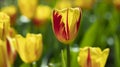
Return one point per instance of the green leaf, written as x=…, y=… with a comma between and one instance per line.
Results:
x=25, y=65
x=90, y=36
x=117, y=53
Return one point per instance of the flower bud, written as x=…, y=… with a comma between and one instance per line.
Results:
x=66, y=24
x=29, y=48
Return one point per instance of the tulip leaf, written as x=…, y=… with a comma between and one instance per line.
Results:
x=25, y=65
x=117, y=53
x=90, y=36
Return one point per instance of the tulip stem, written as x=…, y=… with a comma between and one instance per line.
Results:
x=34, y=64
x=68, y=56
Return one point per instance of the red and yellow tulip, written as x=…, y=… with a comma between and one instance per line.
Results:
x=66, y=23
x=29, y=48
x=92, y=57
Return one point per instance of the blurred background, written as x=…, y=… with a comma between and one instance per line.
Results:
x=99, y=27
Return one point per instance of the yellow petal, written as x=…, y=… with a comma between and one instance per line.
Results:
x=3, y=55
x=39, y=12
x=29, y=48
x=104, y=57
x=27, y=7
x=4, y=25
x=10, y=49
x=20, y=46
x=82, y=56
x=10, y=10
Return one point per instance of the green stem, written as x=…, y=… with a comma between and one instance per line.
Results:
x=63, y=59
x=68, y=55
x=34, y=64
x=117, y=56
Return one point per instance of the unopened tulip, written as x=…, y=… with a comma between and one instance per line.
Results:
x=27, y=7
x=29, y=48
x=66, y=24
x=3, y=55
x=12, y=12
x=92, y=57
x=4, y=25
x=42, y=15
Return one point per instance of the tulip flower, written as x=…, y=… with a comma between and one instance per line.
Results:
x=11, y=52
x=92, y=57
x=42, y=14
x=117, y=4
x=63, y=4
x=27, y=7
x=3, y=55
x=12, y=12
x=66, y=23
x=29, y=48
x=4, y=25
x=87, y=4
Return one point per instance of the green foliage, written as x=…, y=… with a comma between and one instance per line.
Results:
x=90, y=36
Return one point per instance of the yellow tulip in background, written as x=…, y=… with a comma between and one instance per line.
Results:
x=4, y=25
x=66, y=23
x=61, y=4
x=3, y=55
x=12, y=12
x=117, y=4
x=87, y=4
x=29, y=48
x=42, y=14
x=27, y=7
x=92, y=57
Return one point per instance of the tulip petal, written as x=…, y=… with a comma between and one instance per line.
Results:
x=4, y=25
x=104, y=58
x=3, y=55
